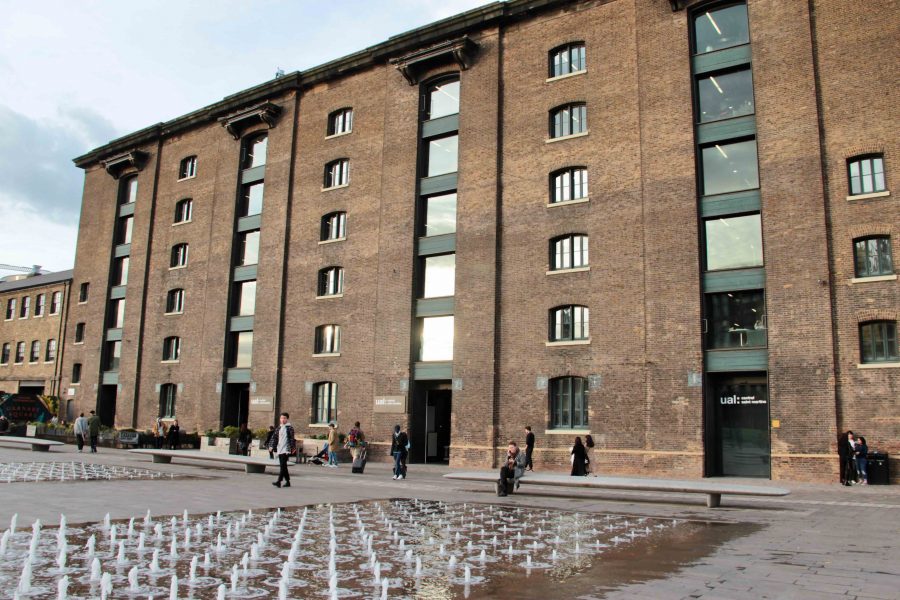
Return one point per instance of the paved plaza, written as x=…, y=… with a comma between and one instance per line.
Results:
x=821, y=542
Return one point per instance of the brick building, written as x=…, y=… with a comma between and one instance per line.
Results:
x=663, y=223
x=32, y=331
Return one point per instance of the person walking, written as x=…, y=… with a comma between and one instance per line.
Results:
x=332, y=445
x=284, y=445
x=94, y=430
x=589, y=454
x=81, y=431
x=398, y=450
x=269, y=439
x=579, y=459
x=529, y=448
x=861, y=450
x=172, y=435
x=244, y=440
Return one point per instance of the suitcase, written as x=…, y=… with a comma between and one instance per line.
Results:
x=359, y=464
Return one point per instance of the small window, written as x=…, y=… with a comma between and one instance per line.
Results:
x=255, y=149
x=171, y=348
x=872, y=256
x=328, y=339
x=337, y=173
x=866, y=174
x=340, y=121
x=84, y=291
x=443, y=156
x=128, y=189
x=568, y=403
x=79, y=333
x=24, y=307
x=116, y=316
x=730, y=167
x=51, y=350
x=725, y=95
x=20, y=353
x=175, y=301
x=334, y=227
x=241, y=352
x=40, y=302
x=569, y=252
x=120, y=271
x=124, y=229
x=442, y=99
x=324, y=402
x=167, y=396
x=10, y=309
x=331, y=281
x=179, y=256
x=183, y=210
x=438, y=276
x=878, y=342
x=570, y=119
x=569, y=184
x=35, y=355
x=251, y=200
x=55, y=303
x=567, y=59
x=440, y=214
x=188, y=168
x=76, y=373
x=4, y=354
x=244, y=302
x=437, y=339
x=569, y=323
x=248, y=248
x=733, y=242
x=719, y=28
x=736, y=320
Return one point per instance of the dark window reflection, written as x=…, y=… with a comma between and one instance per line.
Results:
x=725, y=95
x=736, y=320
x=730, y=167
x=721, y=28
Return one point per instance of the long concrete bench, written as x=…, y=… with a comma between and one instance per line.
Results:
x=712, y=489
x=251, y=464
x=37, y=445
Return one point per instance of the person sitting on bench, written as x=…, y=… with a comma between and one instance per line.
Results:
x=513, y=468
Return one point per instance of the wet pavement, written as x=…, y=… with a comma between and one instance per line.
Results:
x=823, y=541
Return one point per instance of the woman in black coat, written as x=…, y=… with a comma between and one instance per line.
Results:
x=579, y=459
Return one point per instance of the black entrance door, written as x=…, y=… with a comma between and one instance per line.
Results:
x=106, y=407
x=437, y=425
x=739, y=436
x=236, y=404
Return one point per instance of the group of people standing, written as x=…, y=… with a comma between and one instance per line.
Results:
x=166, y=435
x=853, y=455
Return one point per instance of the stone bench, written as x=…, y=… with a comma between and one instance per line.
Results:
x=251, y=464
x=38, y=445
x=712, y=489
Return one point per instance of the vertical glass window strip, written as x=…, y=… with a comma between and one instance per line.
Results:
x=725, y=95
x=116, y=317
x=736, y=320
x=873, y=256
x=255, y=151
x=113, y=356
x=866, y=175
x=733, y=242
x=128, y=190
x=248, y=248
x=439, y=276
x=720, y=28
x=245, y=299
x=241, y=350
x=440, y=214
x=443, y=155
x=730, y=167
x=252, y=200
x=437, y=339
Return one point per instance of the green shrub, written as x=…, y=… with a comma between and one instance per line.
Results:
x=231, y=431
x=261, y=433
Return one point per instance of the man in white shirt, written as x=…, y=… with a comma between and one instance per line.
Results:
x=284, y=445
x=81, y=431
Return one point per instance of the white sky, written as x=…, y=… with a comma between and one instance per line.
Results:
x=76, y=74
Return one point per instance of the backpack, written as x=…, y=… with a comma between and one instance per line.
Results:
x=353, y=437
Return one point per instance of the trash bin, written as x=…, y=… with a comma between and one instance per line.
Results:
x=878, y=468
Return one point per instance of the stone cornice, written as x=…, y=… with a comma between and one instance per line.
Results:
x=133, y=159
x=460, y=50
x=238, y=122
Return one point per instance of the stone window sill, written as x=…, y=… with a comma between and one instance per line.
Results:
x=335, y=187
x=856, y=280
x=340, y=239
x=566, y=76
x=568, y=343
x=567, y=432
x=177, y=268
x=566, y=137
x=176, y=224
x=319, y=426
x=572, y=270
x=188, y=177
x=569, y=202
x=337, y=135
x=882, y=365
x=326, y=354
x=170, y=362
x=327, y=296
x=177, y=312
x=856, y=197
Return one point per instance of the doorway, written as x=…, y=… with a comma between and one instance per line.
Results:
x=431, y=417
x=738, y=439
x=106, y=405
x=236, y=404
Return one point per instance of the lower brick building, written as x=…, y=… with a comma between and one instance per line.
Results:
x=664, y=224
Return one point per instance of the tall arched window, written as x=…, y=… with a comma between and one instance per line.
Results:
x=567, y=59
x=569, y=252
x=167, y=396
x=334, y=227
x=569, y=323
x=331, y=281
x=337, y=173
x=324, y=408
x=568, y=119
x=568, y=184
x=328, y=339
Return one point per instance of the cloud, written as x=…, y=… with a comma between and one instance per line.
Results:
x=29, y=238
x=36, y=172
